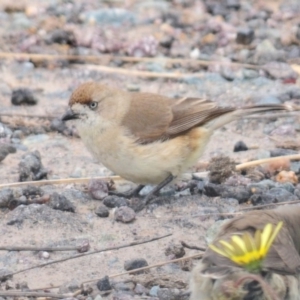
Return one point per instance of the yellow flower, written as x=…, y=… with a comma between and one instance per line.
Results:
x=249, y=251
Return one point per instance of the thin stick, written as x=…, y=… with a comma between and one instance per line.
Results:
x=267, y=205
x=129, y=72
x=94, y=58
x=32, y=248
x=13, y=114
x=266, y=160
x=34, y=294
x=273, y=115
x=58, y=181
x=90, y=253
x=193, y=247
x=134, y=271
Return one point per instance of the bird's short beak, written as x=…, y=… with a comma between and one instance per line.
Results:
x=69, y=115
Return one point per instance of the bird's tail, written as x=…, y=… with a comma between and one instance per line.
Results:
x=236, y=114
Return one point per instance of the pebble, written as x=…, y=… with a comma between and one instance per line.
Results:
x=31, y=168
x=154, y=291
x=6, y=196
x=71, y=286
x=140, y=289
x=61, y=36
x=102, y=211
x=115, y=201
x=135, y=264
x=124, y=214
x=245, y=36
x=98, y=189
x=60, y=126
x=240, y=146
x=265, y=52
x=60, y=202
x=103, y=284
x=175, y=250
x=5, y=131
x=23, y=96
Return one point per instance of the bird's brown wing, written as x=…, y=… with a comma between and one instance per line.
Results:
x=165, y=117
x=191, y=112
x=148, y=117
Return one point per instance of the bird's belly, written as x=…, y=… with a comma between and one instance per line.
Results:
x=146, y=164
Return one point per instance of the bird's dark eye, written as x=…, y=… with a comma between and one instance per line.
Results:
x=93, y=105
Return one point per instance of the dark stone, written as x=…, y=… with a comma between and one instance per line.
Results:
x=233, y=4
x=274, y=195
x=103, y=284
x=240, y=146
x=31, y=168
x=212, y=190
x=102, y=211
x=115, y=201
x=3, y=154
x=60, y=202
x=245, y=36
x=23, y=96
x=32, y=191
x=61, y=36
x=135, y=264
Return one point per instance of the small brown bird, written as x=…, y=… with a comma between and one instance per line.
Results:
x=214, y=277
x=148, y=138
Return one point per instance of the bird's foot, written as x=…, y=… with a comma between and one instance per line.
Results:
x=132, y=193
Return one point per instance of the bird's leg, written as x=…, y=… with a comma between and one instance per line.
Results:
x=130, y=193
x=158, y=188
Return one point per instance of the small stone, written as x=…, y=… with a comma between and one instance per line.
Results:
x=135, y=264
x=233, y=4
x=98, y=297
x=103, y=284
x=3, y=154
x=6, y=196
x=140, y=289
x=61, y=36
x=102, y=211
x=124, y=214
x=154, y=291
x=122, y=286
x=240, y=146
x=266, y=52
x=18, y=134
x=165, y=294
x=44, y=254
x=175, y=250
x=31, y=168
x=245, y=36
x=98, y=189
x=23, y=96
x=32, y=191
x=115, y=201
x=60, y=202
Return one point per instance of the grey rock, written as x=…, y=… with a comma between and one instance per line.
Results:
x=245, y=36
x=31, y=168
x=6, y=196
x=266, y=52
x=154, y=291
x=18, y=134
x=3, y=154
x=115, y=201
x=135, y=264
x=60, y=126
x=249, y=74
x=23, y=96
x=122, y=286
x=103, y=284
x=98, y=189
x=165, y=294
x=124, y=214
x=102, y=211
x=98, y=297
x=140, y=289
x=287, y=186
x=5, y=131
x=61, y=36
x=60, y=202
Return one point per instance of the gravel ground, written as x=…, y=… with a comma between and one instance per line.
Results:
x=233, y=52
